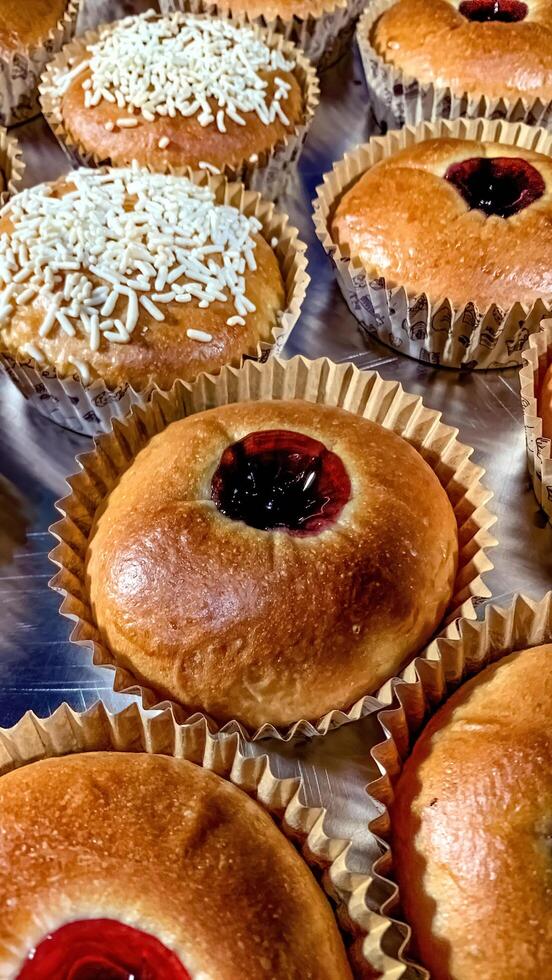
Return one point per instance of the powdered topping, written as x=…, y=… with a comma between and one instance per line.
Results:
x=119, y=242
x=182, y=64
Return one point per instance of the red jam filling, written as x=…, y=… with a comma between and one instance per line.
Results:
x=102, y=949
x=507, y=11
x=500, y=185
x=277, y=479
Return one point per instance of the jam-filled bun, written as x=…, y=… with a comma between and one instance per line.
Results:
x=119, y=865
x=270, y=561
x=471, y=827
x=458, y=219
x=496, y=48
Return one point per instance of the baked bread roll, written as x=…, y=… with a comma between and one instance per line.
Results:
x=119, y=864
x=270, y=561
x=134, y=278
x=497, y=48
x=458, y=219
x=471, y=827
x=184, y=90
x=23, y=25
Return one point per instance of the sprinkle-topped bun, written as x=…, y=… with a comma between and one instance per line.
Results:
x=23, y=25
x=179, y=91
x=457, y=219
x=134, y=278
x=471, y=827
x=496, y=48
x=119, y=864
x=270, y=561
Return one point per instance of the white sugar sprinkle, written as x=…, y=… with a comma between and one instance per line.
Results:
x=201, y=335
x=182, y=64
x=163, y=142
x=99, y=264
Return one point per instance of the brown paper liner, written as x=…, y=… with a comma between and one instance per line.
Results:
x=401, y=98
x=11, y=165
x=537, y=356
x=20, y=73
x=434, y=332
x=362, y=393
x=67, y=732
x=268, y=174
x=416, y=694
x=90, y=409
x=323, y=38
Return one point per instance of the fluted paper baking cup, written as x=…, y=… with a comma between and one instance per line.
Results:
x=20, y=71
x=90, y=408
x=266, y=172
x=435, y=332
x=363, y=393
x=67, y=732
x=324, y=36
x=401, y=98
x=416, y=694
x=12, y=167
x=537, y=356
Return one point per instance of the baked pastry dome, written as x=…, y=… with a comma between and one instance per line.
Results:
x=471, y=827
x=147, y=866
x=458, y=219
x=270, y=561
x=179, y=91
x=496, y=48
x=23, y=25
x=132, y=277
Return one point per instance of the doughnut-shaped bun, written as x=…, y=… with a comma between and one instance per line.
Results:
x=433, y=41
x=165, y=847
x=264, y=625
x=471, y=827
x=417, y=218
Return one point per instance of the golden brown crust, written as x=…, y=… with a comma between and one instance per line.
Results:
x=259, y=625
x=433, y=42
x=286, y=10
x=24, y=24
x=471, y=827
x=169, y=848
x=159, y=353
x=189, y=143
x=405, y=222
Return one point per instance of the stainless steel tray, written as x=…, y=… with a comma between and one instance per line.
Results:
x=39, y=668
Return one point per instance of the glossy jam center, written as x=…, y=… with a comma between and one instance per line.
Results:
x=102, y=949
x=506, y=11
x=280, y=479
x=501, y=185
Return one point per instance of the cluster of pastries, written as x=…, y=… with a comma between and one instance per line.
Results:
x=266, y=559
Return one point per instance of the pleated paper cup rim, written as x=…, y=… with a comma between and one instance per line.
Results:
x=250, y=173
x=537, y=356
x=102, y=401
x=319, y=36
x=11, y=165
x=363, y=393
x=20, y=70
x=411, y=100
x=467, y=336
x=417, y=693
x=69, y=732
